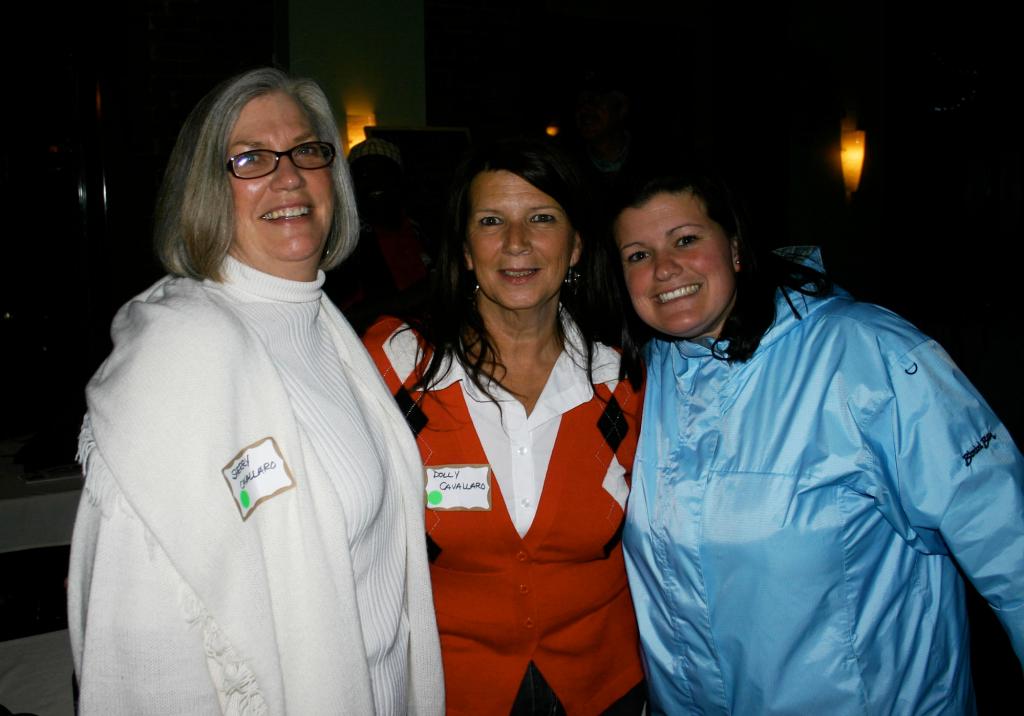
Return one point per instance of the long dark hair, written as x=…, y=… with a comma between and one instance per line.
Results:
x=454, y=328
x=764, y=272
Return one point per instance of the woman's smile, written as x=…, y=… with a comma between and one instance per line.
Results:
x=681, y=292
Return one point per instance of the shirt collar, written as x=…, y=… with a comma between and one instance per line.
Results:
x=568, y=372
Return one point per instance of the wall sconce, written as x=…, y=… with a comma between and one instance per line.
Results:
x=355, y=127
x=552, y=129
x=851, y=144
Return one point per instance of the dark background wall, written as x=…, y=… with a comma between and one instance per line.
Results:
x=95, y=95
x=94, y=98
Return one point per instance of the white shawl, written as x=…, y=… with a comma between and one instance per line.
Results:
x=187, y=387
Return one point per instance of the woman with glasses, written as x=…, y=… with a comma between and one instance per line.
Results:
x=527, y=423
x=251, y=536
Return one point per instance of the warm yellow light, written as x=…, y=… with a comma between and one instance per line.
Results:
x=355, y=127
x=551, y=130
x=851, y=144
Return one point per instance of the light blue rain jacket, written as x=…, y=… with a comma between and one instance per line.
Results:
x=792, y=518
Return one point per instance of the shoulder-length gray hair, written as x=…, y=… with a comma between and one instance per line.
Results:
x=195, y=219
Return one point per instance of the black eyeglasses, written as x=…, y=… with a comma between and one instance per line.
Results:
x=258, y=163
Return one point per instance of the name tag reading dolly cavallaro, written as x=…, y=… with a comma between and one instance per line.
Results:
x=458, y=487
x=257, y=473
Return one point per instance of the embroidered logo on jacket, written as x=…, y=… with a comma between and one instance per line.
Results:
x=982, y=444
x=257, y=473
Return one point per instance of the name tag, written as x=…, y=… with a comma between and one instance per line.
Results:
x=458, y=487
x=256, y=474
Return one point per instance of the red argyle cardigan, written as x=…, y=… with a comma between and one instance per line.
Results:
x=558, y=596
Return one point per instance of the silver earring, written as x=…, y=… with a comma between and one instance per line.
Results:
x=572, y=279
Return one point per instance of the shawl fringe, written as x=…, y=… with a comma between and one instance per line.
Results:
x=99, y=488
x=235, y=682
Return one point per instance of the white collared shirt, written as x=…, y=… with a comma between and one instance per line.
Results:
x=519, y=446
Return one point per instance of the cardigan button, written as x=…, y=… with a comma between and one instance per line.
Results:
x=522, y=556
x=524, y=589
x=528, y=623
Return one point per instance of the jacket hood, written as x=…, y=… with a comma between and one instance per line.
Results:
x=788, y=313
x=792, y=307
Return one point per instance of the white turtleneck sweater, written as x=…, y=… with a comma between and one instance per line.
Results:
x=286, y=316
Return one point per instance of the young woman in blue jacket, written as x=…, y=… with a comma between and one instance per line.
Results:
x=810, y=472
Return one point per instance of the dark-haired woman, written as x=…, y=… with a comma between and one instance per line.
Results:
x=810, y=467
x=527, y=433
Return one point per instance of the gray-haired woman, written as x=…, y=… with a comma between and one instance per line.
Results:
x=251, y=537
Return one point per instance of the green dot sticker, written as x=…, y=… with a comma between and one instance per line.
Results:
x=434, y=497
x=243, y=497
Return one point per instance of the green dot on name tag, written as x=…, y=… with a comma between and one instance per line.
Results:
x=243, y=497
x=434, y=497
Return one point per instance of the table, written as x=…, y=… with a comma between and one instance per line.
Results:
x=35, y=670
x=38, y=510
x=35, y=675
